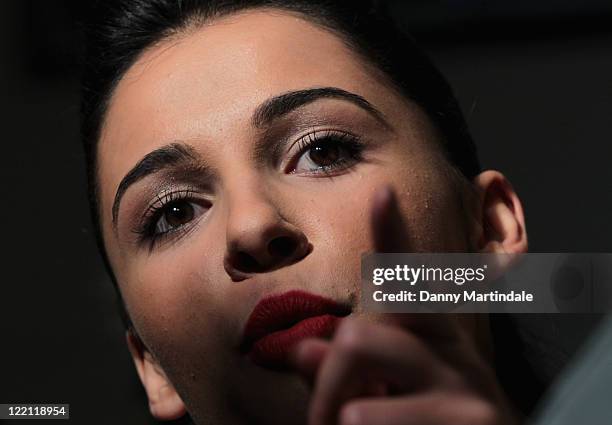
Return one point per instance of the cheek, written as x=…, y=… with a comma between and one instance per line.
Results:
x=338, y=224
x=430, y=208
x=179, y=312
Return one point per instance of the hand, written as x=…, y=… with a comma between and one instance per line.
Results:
x=410, y=369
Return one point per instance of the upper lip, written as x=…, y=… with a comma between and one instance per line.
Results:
x=281, y=311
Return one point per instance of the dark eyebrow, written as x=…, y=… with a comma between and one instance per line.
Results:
x=181, y=153
x=282, y=104
x=153, y=162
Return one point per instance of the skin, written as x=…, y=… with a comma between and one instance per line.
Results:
x=190, y=295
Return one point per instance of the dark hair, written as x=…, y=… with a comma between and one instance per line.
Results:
x=118, y=31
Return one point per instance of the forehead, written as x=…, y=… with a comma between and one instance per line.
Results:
x=205, y=83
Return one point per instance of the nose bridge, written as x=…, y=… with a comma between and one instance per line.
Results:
x=259, y=237
x=251, y=204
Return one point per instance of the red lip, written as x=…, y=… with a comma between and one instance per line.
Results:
x=279, y=322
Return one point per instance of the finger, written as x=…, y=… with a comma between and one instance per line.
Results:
x=308, y=356
x=435, y=327
x=388, y=227
x=447, y=337
x=363, y=354
x=390, y=234
x=425, y=409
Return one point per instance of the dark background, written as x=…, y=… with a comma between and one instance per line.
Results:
x=533, y=77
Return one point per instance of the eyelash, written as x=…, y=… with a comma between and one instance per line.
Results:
x=147, y=230
x=350, y=143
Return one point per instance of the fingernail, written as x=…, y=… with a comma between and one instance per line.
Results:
x=384, y=196
x=385, y=193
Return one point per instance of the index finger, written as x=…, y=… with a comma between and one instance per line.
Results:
x=389, y=230
x=391, y=235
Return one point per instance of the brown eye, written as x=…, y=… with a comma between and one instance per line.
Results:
x=179, y=213
x=175, y=214
x=324, y=155
x=324, y=151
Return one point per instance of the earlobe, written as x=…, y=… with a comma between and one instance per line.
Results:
x=502, y=227
x=164, y=402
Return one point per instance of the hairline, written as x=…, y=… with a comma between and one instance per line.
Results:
x=197, y=22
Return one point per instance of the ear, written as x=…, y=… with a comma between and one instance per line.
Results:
x=502, y=223
x=164, y=402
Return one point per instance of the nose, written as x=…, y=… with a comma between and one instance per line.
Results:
x=259, y=239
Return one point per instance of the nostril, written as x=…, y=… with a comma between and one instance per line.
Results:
x=279, y=252
x=282, y=246
x=246, y=262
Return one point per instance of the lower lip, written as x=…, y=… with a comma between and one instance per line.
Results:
x=273, y=350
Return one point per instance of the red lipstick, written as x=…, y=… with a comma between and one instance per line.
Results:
x=279, y=322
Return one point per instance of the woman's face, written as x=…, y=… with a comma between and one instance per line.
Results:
x=231, y=205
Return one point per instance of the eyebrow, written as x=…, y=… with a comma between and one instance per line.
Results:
x=155, y=161
x=278, y=106
x=180, y=153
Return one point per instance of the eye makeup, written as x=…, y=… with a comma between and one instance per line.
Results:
x=173, y=211
x=324, y=152
x=323, y=141
x=171, y=214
